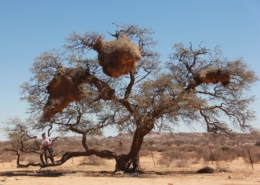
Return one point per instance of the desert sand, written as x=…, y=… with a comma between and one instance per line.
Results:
x=236, y=172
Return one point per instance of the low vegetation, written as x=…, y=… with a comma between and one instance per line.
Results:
x=176, y=149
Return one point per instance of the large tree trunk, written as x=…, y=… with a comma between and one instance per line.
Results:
x=123, y=162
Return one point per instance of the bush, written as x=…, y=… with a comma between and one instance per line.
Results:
x=182, y=163
x=202, y=152
x=144, y=152
x=8, y=157
x=223, y=153
x=188, y=148
x=225, y=148
x=164, y=161
x=167, y=157
x=255, y=155
x=257, y=143
x=32, y=158
x=93, y=160
x=205, y=170
x=168, y=143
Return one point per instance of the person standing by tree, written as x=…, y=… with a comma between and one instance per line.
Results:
x=46, y=145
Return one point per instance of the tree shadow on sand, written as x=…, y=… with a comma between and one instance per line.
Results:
x=58, y=173
x=43, y=173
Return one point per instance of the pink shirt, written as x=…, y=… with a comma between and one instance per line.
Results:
x=46, y=142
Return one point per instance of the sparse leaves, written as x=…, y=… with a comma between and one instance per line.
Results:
x=145, y=98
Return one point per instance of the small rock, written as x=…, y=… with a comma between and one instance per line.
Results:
x=170, y=183
x=119, y=173
x=9, y=179
x=18, y=178
x=229, y=177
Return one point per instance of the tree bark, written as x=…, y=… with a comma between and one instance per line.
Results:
x=123, y=162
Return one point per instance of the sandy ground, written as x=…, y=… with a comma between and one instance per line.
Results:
x=235, y=173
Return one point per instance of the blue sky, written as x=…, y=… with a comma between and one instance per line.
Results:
x=30, y=27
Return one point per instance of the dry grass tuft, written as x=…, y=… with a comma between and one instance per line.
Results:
x=117, y=57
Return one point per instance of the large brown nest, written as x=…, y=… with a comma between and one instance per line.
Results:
x=64, y=88
x=214, y=75
x=117, y=57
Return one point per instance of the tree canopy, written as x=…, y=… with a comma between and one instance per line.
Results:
x=197, y=85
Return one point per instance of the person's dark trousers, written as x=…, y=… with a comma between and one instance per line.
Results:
x=47, y=148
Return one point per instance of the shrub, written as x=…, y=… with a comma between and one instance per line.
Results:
x=179, y=142
x=255, y=155
x=167, y=157
x=168, y=143
x=93, y=160
x=188, y=148
x=203, y=153
x=205, y=170
x=221, y=167
x=144, y=152
x=225, y=148
x=257, y=143
x=32, y=158
x=8, y=157
x=181, y=163
x=164, y=161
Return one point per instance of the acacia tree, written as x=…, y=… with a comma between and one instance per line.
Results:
x=146, y=98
